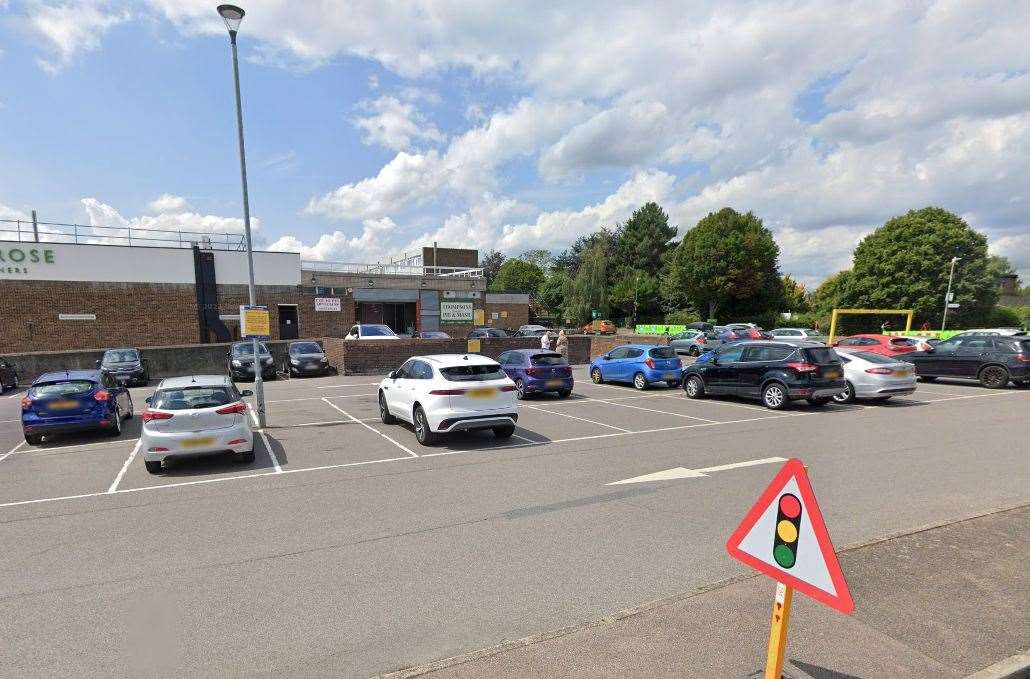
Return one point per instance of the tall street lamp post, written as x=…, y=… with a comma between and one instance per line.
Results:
x=947, y=297
x=232, y=16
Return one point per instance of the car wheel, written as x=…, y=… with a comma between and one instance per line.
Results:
x=423, y=433
x=774, y=396
x=694, y=387
x=132, y=410
x=384, y=410
x=565, y=393
x=639, y=381
x=504, y=432
x=153, y=467
x=596, y=377
x=994, y=377
x=846, y=396
x=927, y=378
x=520, y=389
x=247, y=457
x=819, y=402
x=33, y=439
x=694, y=351
x=116, y=424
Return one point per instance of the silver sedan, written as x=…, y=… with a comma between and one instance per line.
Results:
x=876, y=377
x=694, y=342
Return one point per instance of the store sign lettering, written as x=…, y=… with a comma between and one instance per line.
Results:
x=13, y=260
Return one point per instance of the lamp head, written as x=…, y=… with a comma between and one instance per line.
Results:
x=233, y=16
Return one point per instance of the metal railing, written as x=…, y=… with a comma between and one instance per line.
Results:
x=392, y=269
x=27, y=231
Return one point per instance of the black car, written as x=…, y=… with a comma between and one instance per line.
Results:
x=476, y=333
x=994, y=360
x=306, y=358
x=774, y=372
x=431, y=334
x=8, y=376
x=240, y=361
x=126, y=365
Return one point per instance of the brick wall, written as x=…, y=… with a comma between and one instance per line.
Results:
x=602, y=344
x=380, y=356
x=518, y=315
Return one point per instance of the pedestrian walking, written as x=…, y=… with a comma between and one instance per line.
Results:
x=562, y=346
x=545, y=341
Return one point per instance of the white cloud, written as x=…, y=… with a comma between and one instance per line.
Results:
x=191, y=225
x=11, y=213
x=166, y=202
x=71, y=27
x=395, y=124
x=370, y=246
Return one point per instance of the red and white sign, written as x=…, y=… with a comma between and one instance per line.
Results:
x=784, y=536
x=327, y=304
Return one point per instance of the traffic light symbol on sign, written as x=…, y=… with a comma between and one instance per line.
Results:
x=788, y=526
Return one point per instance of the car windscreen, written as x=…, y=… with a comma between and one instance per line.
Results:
x=126, y=356
x=904, y=341
x=662, y=352
x=473, y=373
x=873, y=358
x=191, y=398
x=547, y=359
x=435, y=335
x=305, y=348
x=821, y=355
x=248, y=349
x=65, y=388
x=376, y=331
x=495, y=332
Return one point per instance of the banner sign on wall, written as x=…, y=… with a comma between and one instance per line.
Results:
x=327, y=304
x=456, y=312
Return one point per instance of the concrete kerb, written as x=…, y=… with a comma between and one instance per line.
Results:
x=1013, y=667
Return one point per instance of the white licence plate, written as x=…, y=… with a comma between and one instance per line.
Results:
x=482, y=393
x=198, y=442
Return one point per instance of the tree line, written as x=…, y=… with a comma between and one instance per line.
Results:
x=726, y=269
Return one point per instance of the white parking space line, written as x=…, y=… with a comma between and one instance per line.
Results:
x=573, y=417
x=959, y=398
x=652, y=410
x=125, y=467
x=253, y=416
x=17, y=393
x=5, y=421
x=78, y=445
x=271, y=453
x=323, y=422
x=356, y=384
x=591, y=399
x=937, y=393
x=720, y=403
x=370, y=428
x=12, y=451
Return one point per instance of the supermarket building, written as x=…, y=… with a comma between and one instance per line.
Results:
x=76, y=295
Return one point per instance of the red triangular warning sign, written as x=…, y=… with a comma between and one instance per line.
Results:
x=784, y=537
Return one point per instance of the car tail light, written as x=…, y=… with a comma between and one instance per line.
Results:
x=447, y=392
x=102, y=395
x=649, y=363
x=158, y=449
x=235, y=442
x=26, y=402
x=105, y=423
x=803, y=367
x=701, y=340
x=508, y=387
x=238, y=408
x=1022, y=358
x=149, y=415
x=532, y=371
x=879, y=371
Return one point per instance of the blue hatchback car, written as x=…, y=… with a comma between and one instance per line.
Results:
x=536, y=371
x=639, y=364
x=74, y=401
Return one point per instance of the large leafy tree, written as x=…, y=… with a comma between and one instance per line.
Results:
x=905, y=264
x=643, y=239
x=491, y=263
x=727, y=266
x=795, y=296
x=571, y=258
x=542, y=258
x=589, y=289
x=552, y=291
x=516, y=275
x=636, y=294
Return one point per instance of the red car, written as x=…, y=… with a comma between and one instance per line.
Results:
x=885, y=345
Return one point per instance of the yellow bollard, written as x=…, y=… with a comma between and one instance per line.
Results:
x=778, y=631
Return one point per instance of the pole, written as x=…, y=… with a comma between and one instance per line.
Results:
x=947, y=296
x=778, y=631
x=35, y=228
x=259, y=386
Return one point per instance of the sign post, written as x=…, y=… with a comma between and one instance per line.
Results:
x=784, y=537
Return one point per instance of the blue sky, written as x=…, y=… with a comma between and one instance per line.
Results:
x=372, y=130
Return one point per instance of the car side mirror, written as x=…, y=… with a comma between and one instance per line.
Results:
x=392, y=374
x=97, y=363
x=148, y=399
x=246, y=392
x=929, y=349
x=715, y=360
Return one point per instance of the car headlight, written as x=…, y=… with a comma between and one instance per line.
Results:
x=237, y=363
x=325, y=359
x=294, y=361
x=267, y=360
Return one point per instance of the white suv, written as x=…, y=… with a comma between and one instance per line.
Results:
x=449, y=392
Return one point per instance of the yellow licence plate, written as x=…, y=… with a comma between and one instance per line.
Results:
x=482, y=393
x=554, y=383
x=902, y=373
x=63, y=405
x=197, y=443
x=831, y=374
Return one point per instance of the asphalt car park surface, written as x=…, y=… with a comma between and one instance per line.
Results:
x=346, y=549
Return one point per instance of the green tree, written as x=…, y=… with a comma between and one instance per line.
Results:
x=727, y=265
x=643, y=239
x=589, y=289
x=491, y=263
x=636, y=294
x=552, y=291
x=795, y=296
x=571, y=258
x=542, y=258
x=516, y=275
x=905, y=264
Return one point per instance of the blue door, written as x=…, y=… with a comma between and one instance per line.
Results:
x=610, y=366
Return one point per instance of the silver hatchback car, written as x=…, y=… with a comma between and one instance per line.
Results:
x=194, y=416
x=874, y=376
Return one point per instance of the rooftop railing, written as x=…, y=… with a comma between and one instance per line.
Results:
x=27, y=231
x=392, y=269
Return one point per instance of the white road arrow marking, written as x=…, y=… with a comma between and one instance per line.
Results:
x=684, y=473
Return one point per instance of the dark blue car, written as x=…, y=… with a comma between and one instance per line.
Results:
x=639, y=364
x=536, y=371
x=74, y=401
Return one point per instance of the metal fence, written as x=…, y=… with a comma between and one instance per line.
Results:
x=392, y=269
x=28, y=231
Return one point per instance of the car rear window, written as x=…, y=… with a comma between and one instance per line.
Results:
x=662, y=352
x=247, y=349
x=473, y=373
x=65, y=388
x=906, y=341
x=305, y=348
x=547, y=359
x=1023, y=346
x=873, y=358
x=820, y=355
x=191, y=398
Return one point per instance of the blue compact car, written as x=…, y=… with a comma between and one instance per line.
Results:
x=74, y=401
x=639, y=364
x=536, y=371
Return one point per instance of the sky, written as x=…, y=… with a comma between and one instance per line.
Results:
x=375, y=128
